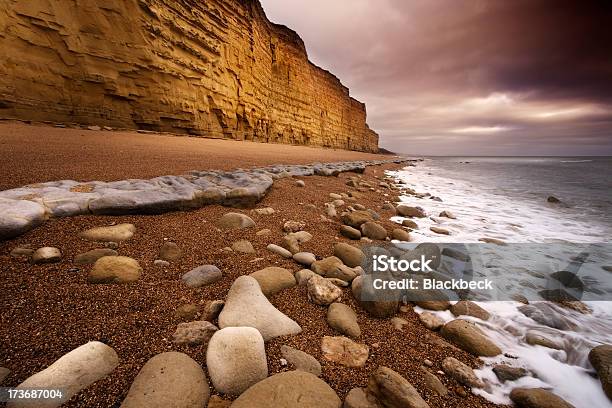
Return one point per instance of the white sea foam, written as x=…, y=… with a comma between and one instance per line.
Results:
x=484, y=213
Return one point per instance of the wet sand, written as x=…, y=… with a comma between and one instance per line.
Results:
x=38, y=153
x=48, y=310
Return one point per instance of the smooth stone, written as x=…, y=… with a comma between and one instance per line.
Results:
x=436, y=305
x=274, y=279
x=373, y=230
x=553, y=199
x=537, y=339
x=92, y=256
x=375, y=308
x=338, y=203
x=212, y=308
x=169, y=379
x=601, y=359
x=300, y=360
x=46, y=255
x=291, y=389
x=21, y=252
x=469, y=308
x=161, y=263
x=342, y=318
x=321, y=291
x=303, y=275
x=246, y=305
x=433, y=383
x=114, y=233
x=343, y=272
x=400, y=235
x=186, y=312
x=508, y=373
x=468, y=336
x=447, y=214
x=194, y=333
x=335, y=196
x=19, y=216
x=460, y=372
x=349, y=255
x=201, y=276
x=115, y=269
x=393, y=391
x=73, y=372
x=431, y=321
x=326, y=265
x=410, y=224
x=356, y=218
x=537, y=398
x=170, y=252
x=456, y=254
x=236, y=359
x=408, y=211
x=344, y=351
x=279, y=250
x=300, y=183
x=243, y=246
x=544, y=313
x=264, y=231
x=492, y=241
x=438, y=230
x=358, y=398
x=304, y=258
x=350, y=232
x=232, y=220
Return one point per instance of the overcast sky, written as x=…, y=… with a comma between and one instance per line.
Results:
x=469, y=77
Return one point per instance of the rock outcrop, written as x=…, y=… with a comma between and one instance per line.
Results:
x=215, y=68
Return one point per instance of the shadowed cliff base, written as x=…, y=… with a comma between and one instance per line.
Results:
x=35, y=153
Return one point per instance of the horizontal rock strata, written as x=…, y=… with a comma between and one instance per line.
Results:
x=22, y=209
x=216, y=68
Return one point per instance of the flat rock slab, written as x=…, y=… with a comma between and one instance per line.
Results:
x=236, y=359
x=292, y=389
x=169, y=380
x=90, y=257
x=73, y=372
x=246, y=305
x=24, y=208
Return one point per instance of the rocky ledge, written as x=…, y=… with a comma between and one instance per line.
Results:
x=22, y=209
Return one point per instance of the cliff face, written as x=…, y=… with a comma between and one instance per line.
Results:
x=215, y=68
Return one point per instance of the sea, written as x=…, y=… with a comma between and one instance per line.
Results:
x=507, y=198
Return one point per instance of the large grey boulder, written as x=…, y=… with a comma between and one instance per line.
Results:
x=236, y=359
x=73, y=372
x=169, y=379
x=246, y=305
x=291, y=389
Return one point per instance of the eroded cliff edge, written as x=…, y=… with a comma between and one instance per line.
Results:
x=215, y=68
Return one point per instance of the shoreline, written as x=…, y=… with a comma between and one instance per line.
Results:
x=51, y=308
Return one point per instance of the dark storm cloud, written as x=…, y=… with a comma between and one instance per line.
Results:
x=469, y=76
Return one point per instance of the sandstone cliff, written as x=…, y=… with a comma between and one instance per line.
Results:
x=215, y=68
